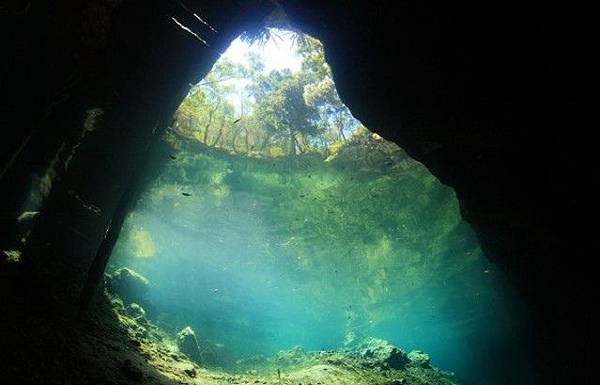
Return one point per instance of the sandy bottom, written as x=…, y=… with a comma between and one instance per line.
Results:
x=108, y=346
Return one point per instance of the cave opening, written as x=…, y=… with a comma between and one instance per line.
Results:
x=275, y=231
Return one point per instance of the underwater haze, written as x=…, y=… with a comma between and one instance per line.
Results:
x=318, y=242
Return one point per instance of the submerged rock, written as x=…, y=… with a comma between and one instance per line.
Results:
x=188, y=344
x=117, y=303
x=291, y=357
x=27, y=216
x=419, y=359
x=136, y=311
x=128, y=284
x=12, y=256
x=379, y=353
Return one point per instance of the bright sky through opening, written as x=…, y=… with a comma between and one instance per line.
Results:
x=278, y=53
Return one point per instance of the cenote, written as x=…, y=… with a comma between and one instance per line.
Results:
x=401, y=196
x=280, y=231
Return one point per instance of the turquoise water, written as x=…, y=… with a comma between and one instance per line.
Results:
x=260, y=255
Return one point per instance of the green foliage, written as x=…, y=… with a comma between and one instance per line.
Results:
x=313, y=57
x=206, y=114
x=283, y=114
x=280, y=112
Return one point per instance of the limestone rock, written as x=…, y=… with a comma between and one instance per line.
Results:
x=188, y=344
x=291, y=357
x=136, y=311
x=420, y=359
x=379, y=353
x=128, y=284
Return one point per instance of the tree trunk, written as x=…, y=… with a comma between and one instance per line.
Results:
x=207, y=126
x=219, y=134
x=300, y=148
x=265, y=141
x=234, y=140
x=292, y=142
x=247, y=140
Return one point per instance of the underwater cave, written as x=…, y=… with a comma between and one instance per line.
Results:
x=285, y=192
x=273, y=220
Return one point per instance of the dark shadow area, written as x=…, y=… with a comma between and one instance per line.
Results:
x=44, y=342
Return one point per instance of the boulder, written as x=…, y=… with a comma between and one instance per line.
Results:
x=376, y=352
x=136, y=311
x=131, y=286
x=419, y=359
x=117, y=304
x=188, y=344
x=291, y=357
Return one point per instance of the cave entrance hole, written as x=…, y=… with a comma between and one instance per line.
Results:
x=272, y=218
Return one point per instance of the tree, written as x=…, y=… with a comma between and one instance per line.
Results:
x=206, y=112
x=336, y=121
x=279, y=112
x=281, y=109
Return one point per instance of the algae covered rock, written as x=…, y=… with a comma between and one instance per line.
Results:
x=376, y=352
x=131, y=286
x=188, y=344
x=136, y=311
x=291, y=357
x=419, y=359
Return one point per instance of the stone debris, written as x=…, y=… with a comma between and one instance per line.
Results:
x=131, y=286
x=419, y=358
x=188, y=344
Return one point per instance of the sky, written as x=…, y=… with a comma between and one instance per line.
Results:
x=278, y=53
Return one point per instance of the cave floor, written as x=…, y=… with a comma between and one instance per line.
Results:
x=141, y=351
x=40, y=344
